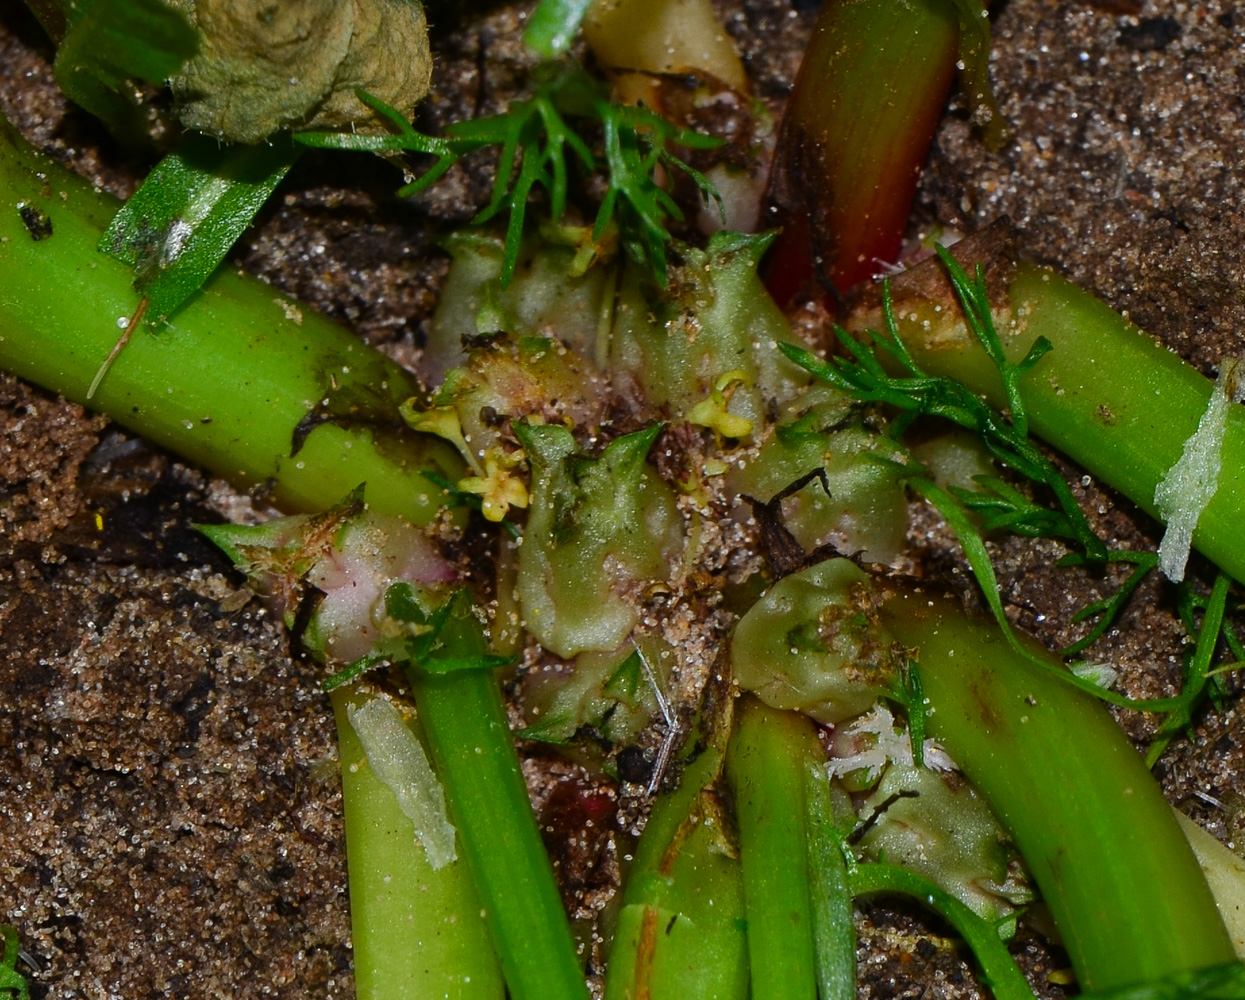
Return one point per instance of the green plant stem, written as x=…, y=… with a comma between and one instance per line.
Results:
x=680, y=932
x=765, y=768
x=416, y=932
x=1223, y=982
x=465, y=722
x=1127, y=894
x=1106, y=395
x=998, y=968
x=834, y=935
x=51, y=14
x=870, y=92
x=230, y=385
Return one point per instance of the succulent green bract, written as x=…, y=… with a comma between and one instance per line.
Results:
x=813, y=644
x=606, y=691
x=714, y=319
x=553, y=293
x=864, y=510
x=599, y=530
x=349, y=554
x=946, y=832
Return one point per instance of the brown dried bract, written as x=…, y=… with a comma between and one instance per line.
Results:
x=263, y=67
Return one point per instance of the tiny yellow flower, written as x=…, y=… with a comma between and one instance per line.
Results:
x=711, y=411
x=499, y=489
x=443, y=422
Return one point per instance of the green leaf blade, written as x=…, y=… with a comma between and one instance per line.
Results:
x=12, y=982
x=109, y=42
x=189, y=212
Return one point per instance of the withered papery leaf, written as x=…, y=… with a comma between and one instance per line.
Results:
x=265, y=66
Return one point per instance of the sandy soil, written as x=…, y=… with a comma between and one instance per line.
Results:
x=168, y=798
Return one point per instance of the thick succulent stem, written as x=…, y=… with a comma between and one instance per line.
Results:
x=680, y=932
x=766, y=763
x=416, y=931
x=868, y=97
x=1123, y=885
x=465, y=721
x=1107, y=395
x=834, y=934
x=243, y=382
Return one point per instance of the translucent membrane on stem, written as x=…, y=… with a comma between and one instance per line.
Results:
x=397, y=758
x=1194, y=477
x=416, y=932
x=1106, y=395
